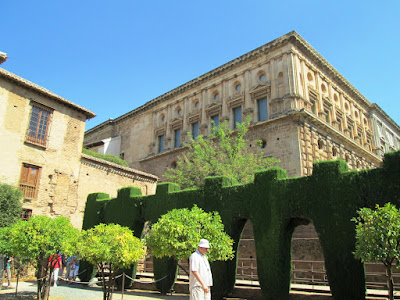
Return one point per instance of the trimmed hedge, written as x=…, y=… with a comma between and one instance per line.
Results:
x=275, y=205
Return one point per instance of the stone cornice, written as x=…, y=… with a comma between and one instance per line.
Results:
x=334, y=75
x=376, y=108
x=117, y=169
x=30, y=85
x=209, y=75
x=291, y=37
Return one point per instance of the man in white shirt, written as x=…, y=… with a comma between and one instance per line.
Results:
x=200, y=277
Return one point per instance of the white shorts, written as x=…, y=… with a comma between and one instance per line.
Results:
x=197, y=293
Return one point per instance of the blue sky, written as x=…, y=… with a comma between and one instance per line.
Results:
x=113, y=56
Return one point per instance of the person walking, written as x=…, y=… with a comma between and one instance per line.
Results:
x=72, y=267
x=55, y=262
x=200, y=277
x=8, y=269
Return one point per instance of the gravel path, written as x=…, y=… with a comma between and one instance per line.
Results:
x=27, y=291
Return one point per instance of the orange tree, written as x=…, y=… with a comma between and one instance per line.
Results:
x=378, y=238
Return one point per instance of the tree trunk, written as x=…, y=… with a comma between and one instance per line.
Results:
x=43, y=282
x=104, y=287
x=2, y=257
x=16, y=284
x=390, y=283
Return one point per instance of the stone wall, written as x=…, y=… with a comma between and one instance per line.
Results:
x=66, y=176
x=97, y=175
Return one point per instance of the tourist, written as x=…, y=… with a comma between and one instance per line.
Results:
x=200, y=277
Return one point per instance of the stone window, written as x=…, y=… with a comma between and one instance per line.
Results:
x=263, y=144
x=323, y=88
x=262, y=77
x=390, y=138
x=314, y=102
x=160, y=143
x=262, y=107
x=339, y=124
x=237, y=116
x=29, y=181
x=215, y=121
x=320, y=144
x=197, y=104
x=347, y=107
x=39, y=123
x=336, y=98
x=380, y=129
x=195, y=130
x=238, y=86
x=216, y=96
x=26, y=214
x=177, y=138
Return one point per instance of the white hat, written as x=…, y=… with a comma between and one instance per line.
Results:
x=204, y=243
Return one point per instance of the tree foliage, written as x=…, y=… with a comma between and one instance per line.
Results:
x=224, y=153
x=378, y=237
x=177, y=234
x=10, y=204
x=35, y=240
x=113, y=245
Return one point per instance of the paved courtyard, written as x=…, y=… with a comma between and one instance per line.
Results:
x=27, y=290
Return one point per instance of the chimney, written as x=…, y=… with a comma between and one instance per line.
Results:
x=3, y=57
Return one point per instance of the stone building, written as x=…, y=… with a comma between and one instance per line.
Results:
x=302, y=109
x=385, y=131
x=41, y=137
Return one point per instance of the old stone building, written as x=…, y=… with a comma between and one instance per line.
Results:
x=41, y=152
x=302, y=109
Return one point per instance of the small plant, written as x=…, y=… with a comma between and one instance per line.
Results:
x=110, y=247
x=177, y=234
x=378, y=238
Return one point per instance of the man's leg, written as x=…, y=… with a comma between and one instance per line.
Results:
x=197, y=293
x=9, y=276
x=55, y=275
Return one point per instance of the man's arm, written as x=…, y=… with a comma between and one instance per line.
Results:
x=198, y=277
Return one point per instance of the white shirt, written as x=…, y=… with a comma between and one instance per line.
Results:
x=199, y=262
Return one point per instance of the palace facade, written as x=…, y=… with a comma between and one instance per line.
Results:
x=302, y=109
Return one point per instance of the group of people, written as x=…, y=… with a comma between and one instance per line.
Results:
x=62, y=262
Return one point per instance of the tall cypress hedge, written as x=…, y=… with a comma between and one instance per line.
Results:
x=275, y=205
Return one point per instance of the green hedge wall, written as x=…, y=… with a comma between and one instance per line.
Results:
x=275, y=205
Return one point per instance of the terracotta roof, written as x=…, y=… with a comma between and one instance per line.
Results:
x=30, y=85
x=136, y=173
